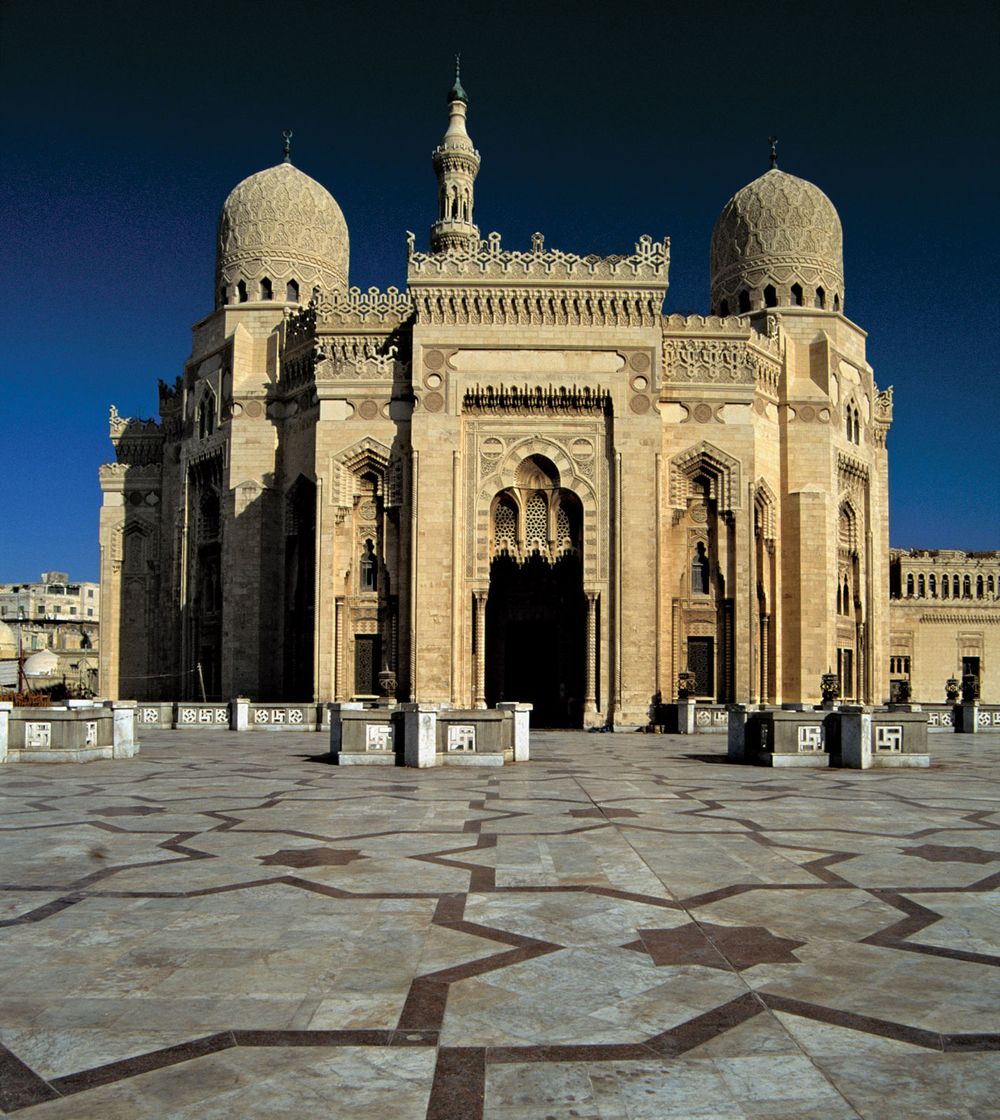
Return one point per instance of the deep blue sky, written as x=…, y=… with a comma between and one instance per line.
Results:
x=126, y=124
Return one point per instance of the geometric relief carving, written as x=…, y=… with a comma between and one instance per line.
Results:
x=707, y=461
x=889, y=738
x=811, y=738
x=462, y=737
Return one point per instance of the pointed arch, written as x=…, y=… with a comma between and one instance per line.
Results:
x=765, y=510
x=704, y=460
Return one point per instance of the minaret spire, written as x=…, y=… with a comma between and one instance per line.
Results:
x=456, y=164
x=287, y=134
x=773, y=140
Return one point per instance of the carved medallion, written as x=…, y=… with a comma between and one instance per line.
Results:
x=433, y=359
x=639, y=405
x=368, y=410
x=433, y=402
x=254, y=409
x=639, y=361
x=702, y=413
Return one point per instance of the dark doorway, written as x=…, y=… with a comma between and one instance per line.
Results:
x=536, y=618
x=701, y=662
x=970, y=668
x=366, y=664
x=845, y=671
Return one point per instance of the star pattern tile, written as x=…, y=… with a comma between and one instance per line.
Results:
x=623, y=928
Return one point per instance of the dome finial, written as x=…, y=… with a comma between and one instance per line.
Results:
x=456, y=93
x=288, y=145
x=773, y=140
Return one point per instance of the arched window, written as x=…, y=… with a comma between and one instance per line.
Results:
x=847, y=596
x=724, y=308
x=796, y=292
x=820, y=298
x=932, y=584
x=990, y=586
x=909, y=586
x=979, y=587
x=840, y=601
x=921, y=587
x=241, y=291
x=836, y=302
x=967, y=587
x=956, y=591
x=369, y=567
x=504, y=527
x=857, y=426
x=848, y=422
x=744, y=301
x=945, y=584
x=699, y=570
x=770, y=296
x=292, y=291
x=206, y=416
x=266, y=291
x=223, y=295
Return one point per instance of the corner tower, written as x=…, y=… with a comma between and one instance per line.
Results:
x=456, y=164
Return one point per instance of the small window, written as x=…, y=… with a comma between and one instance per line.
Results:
x=980, y=587
x=292, y=291
x=90, y=593
x=744, y=301
x=699, y=571
x=909, y=586
x=223, y=295
x=820, y=298
x=770, y=296
x=945, y=584
x=990, y=587
x=836, y=302
x=967, y=587
x=921, y=587
x=90, y=611
x=369, y=576
x=932, y=584
x=956, y=590
x=265, y=289
x=724, y=308
x=72, y=610
x=241, y=291
x=796, y=295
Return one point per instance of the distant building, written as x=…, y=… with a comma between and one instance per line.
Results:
x=944, y=616
x=53, y=614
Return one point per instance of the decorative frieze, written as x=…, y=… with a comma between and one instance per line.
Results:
x=547, y=401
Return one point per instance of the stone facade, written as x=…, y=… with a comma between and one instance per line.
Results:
x=945, y=621
x=516, y=480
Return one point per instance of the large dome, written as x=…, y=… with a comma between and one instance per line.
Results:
x=777, y=243
x=281, y=234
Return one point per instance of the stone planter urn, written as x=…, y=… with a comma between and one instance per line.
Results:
x=387, y=683
x=687, y=682
x=951, y=690
x=829, y=684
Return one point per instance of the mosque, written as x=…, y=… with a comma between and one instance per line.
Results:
x=518, y=479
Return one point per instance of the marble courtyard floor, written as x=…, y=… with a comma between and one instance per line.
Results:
x=626, y=927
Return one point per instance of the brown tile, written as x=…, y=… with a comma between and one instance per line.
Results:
x=459, y=1084
x=20, y=1086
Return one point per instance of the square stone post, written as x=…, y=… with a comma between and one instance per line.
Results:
x=736, y=747
x=685, y=717
x=239, y=714
x=968, y=717
x=6, y=707
x=855, y=737
x=522, y=718
x=123, y=714
x=420, y=734
x=336, y=726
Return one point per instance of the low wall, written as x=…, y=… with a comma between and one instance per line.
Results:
x=79, y=731
x=425, y=735
x=846, y=735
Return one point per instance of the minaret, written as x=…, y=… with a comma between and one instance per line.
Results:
x=456, y=163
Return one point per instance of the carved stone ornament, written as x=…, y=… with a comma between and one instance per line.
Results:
x=829, y=684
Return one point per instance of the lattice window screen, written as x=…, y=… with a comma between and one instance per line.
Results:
x=536, y=527
x=504, y=528
x=564, y=534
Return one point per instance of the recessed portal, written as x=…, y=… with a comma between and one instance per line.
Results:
x=536, y=617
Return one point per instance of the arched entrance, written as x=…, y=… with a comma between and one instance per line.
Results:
x=536, y=610
x=536, y=617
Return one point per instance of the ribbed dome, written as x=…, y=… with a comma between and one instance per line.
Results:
x=779, y=232
x=282, y=227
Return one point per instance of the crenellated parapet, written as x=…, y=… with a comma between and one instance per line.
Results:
x=136, y=442
x=714, y=350
x=489, y=263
